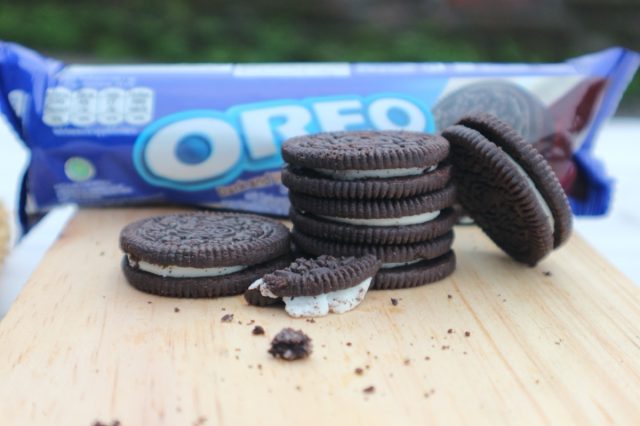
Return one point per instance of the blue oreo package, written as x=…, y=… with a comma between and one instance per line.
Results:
x=210, y=134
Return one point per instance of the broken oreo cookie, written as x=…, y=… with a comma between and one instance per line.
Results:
x=315, y=287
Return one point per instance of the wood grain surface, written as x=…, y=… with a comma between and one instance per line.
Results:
x=496, y=343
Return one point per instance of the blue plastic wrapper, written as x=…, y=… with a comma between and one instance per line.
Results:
x=210, y=134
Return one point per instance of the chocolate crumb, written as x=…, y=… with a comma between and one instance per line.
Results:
x=290, y=344
x=464, y=353
x=227, y=318
x=450, y=331
x=537, y=381
x=259, y=366
x=407, y=361
x=547, y=273
x=311, y=320
x=369, y=389
x=359, y=371
x=427, y=358
x=449, y=296
x=257, y=331
x=149, y=302
x=348, y=343
x=251, y=322
x=298, y=388
x=102, y=253
x=445, y=347
x=367, y=366
x=394, y=302
x=176, y=309
x=200, y=421
x=240, y=322
x=467, y=334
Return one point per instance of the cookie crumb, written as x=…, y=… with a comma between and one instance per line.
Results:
x=290, y=344
x=547, y=273
x=369, y=389
x=257, y=331
x=427, y=358
x=311, y=320
x=449, y=296
x=102, y=253
x=298, y=388
x=259, y=366
x=359, y=371
x=251, y=322
x=348, y=343
x=467, y=333
x=394, y=302
x=200, y=421
x=227, y=318
x=407, y=361
x=450, y=331
x=445, y=347
x=149, y=302
x=176, y=309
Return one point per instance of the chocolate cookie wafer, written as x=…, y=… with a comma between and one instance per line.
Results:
x=508, y=188
x=202, y=254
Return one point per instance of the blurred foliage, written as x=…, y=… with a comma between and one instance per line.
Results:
x=226, y=31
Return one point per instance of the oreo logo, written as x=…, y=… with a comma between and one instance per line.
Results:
x=200, y=149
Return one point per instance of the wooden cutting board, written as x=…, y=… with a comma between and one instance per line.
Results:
x=559, y=343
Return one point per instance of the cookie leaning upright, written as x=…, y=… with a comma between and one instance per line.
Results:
x=508, y=188
x=202, y=254
x=384, y=193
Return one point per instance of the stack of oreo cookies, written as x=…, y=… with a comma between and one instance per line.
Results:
x=383, y=193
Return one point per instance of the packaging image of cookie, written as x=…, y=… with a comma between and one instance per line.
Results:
x=211, y=134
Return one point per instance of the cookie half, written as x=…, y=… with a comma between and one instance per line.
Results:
x=306, y=181
x=508, y=188
x=366, y=154
x=316, y=286
x=421, y=273
x=362, y=234
x=389, y=255
x=200, y=250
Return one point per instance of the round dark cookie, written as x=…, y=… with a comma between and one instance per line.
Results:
x=496, y=194
x=396, y=253
x=425, y=272
x=365, y=150
x=520, y=109
x=362, y=234
x=205, y=239
x=534, y=164
x=375, y=209
x=305, y=181
x=200, y=287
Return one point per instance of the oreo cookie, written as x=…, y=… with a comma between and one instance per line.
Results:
x=520, y=109
x=378, y=212
x=508, y=188
x=202, y=254
x=414, y=275
x=366, y=164
x=315, y=287
x=362, y=234
x=391, y=255
x=307, y=181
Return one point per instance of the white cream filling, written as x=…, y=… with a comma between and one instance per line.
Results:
x=184, y=271
x=399, y=264
x=337, y=302
x=352, y=174
x=391, y=221
x=538, y=195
